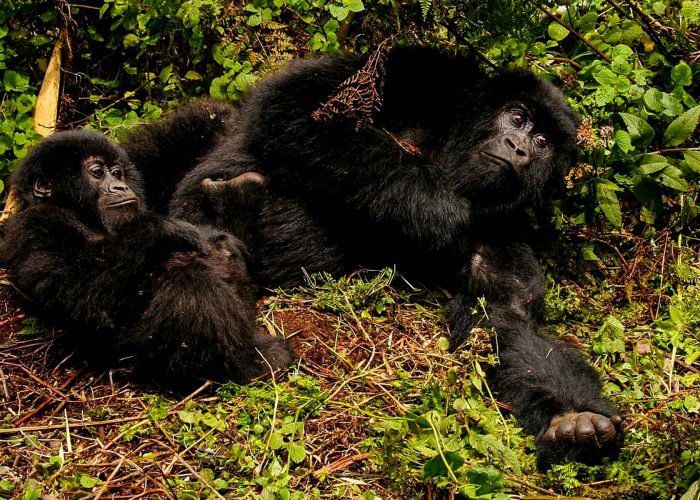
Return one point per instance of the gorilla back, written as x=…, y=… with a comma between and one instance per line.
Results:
x=124, y=282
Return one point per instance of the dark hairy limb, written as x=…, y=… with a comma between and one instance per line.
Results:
x=553, y=392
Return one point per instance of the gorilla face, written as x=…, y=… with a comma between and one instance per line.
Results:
x=85, y=172
x=506, y=153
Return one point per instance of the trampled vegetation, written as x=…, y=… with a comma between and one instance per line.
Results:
x=377, y=406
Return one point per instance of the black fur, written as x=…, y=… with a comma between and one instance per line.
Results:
x=175, y=297
x=340, y=197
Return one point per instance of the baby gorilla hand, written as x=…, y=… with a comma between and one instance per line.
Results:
x=584, y=436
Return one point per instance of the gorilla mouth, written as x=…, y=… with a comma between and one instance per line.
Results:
x=498, y=160
x=123, y=203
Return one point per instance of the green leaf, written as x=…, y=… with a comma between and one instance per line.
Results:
x=638, y=128
x=623, y=141
x=436, y=465
x=691, y=404
x=88, y=482
x=297, y=452
x=188, y=417
x=192, y=75
x=338, y=11
x=652, y=98
x=14, y=81
x=587, y=22
x=605, y=77
x=681, y=74
x=607, y=199
x=682, y=127
x=673, y=177
x=692, y=160
x=557, y=32
x=254, y=20
x=354, y=5
x=276, y=441
x=691, y=10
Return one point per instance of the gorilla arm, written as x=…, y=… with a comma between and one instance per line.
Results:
x=551, y=389
x=89, y=275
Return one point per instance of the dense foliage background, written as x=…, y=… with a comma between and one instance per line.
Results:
x=624, y=270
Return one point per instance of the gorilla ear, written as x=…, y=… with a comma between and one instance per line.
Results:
x=42, y=189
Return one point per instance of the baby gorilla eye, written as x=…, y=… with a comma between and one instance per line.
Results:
x=97, y=171
x=542, y=140
x=117, y=173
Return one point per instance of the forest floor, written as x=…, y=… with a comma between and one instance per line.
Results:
x=375, y=407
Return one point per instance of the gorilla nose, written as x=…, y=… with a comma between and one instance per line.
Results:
x=514, y=144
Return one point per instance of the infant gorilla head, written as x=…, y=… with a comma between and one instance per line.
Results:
x=124, y=282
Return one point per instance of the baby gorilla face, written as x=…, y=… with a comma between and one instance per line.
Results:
x=116, y=202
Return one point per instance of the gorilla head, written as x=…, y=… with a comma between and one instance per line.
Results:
x=86, y=172
x=511, y=143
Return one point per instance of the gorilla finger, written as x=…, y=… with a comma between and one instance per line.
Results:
x=249, y=178
x=585, y=431
x=604, y=428
x=211, y=186
x=550, y=436
x=566, y=430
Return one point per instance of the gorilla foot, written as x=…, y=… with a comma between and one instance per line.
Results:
x=582, y=436
x=247, y=185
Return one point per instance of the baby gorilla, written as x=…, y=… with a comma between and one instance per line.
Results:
x=123, y=281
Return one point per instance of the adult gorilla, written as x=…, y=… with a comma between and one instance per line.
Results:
x=432, y=180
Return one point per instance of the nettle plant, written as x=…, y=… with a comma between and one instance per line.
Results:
x=640, y=116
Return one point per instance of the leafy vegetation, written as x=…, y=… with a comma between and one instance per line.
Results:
x=377, y=407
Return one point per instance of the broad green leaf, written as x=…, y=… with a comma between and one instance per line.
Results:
x=557, y=32
x=623, y=141
x=638, y=128
x=354, y=5
x=652, y=98
x=88, y=482
x=587, y=22
x=621, y=66
x=622, y=51
x=691, y=10
x=692, y=160
x=605, y=95
x=14, y=81
x=605, y=77
x=607, y=199
x=297, y=452
x=436, y=465
x=681, y=74
x=338, y=11
x=276, y=441
x=192, y=75
x=652, y=168
x=682, y=127
x=673, y=177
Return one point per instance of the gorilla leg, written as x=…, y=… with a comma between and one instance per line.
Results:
x=553, y=392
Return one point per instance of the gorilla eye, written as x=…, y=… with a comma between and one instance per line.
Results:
x=542, y=140
x=97, y=171
x=518, y=118
x=117, y=173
